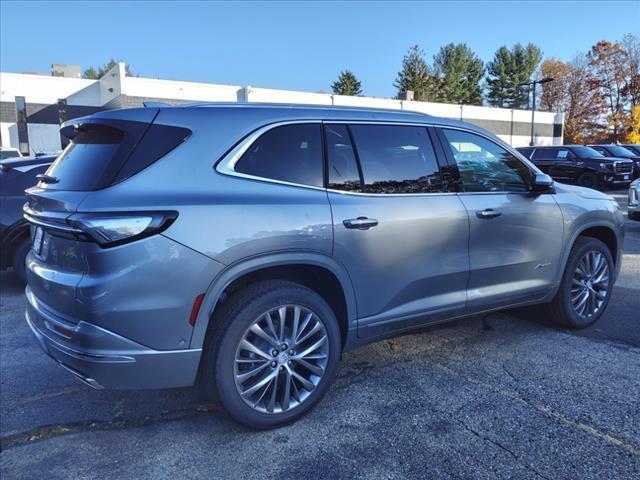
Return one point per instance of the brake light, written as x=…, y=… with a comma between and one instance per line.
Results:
x=112, y=229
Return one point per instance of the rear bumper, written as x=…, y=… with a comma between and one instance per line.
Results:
x=104, y=359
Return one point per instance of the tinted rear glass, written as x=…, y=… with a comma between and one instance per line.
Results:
x=291, y=153
x=100, y=155
x=83, y=163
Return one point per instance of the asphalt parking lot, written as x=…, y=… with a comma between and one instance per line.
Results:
x=519, y=399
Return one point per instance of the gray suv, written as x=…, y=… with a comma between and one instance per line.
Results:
x=245, y=247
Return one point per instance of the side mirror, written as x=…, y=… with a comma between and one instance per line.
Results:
x=542, y=183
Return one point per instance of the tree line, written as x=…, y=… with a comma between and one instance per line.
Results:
x=599, y=91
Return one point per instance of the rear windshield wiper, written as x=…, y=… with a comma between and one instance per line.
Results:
x=44, y=178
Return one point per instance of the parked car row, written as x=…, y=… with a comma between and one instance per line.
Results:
x=592, y=166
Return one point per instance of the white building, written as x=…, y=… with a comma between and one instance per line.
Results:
x=41, y=95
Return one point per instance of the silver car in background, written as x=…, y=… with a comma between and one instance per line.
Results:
x=245, y=247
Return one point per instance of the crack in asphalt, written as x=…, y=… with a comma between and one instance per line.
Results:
x=539, y=406
x=499, y=445
x=46, y=432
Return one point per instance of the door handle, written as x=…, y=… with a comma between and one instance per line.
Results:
x=360, y=223
x=488, y=213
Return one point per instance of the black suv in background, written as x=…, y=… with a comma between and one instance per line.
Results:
x=635, y=149
x=16, y=175
x=620, y=152
x=582, y=165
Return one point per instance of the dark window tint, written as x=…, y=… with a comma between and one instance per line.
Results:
x=485, y=166
x=553, y=154
x=396, y=159
x=83, y=163
x=525, y=151
x=292, y=153
x=343, y=169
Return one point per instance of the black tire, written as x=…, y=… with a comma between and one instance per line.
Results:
x=588, y=180
x=228, y=327
x=19, y=259
x=560, y=309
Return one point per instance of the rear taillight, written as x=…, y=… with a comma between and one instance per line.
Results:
x=111, y=229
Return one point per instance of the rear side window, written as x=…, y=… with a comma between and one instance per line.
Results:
x=86, y=158
x=396, y=159
x=343, y=171
x=291, y=153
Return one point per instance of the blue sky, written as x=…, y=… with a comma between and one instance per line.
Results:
x=292, y=45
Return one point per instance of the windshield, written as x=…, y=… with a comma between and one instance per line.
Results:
x=586, y=152
x=620, y=151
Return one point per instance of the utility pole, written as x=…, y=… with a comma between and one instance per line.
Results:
x=532, y=85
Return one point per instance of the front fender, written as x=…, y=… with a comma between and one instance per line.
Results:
x=237, y=270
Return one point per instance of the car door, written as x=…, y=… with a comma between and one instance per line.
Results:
x=402, y=238
x=515, y=236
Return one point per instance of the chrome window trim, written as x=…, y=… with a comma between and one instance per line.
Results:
x=226, y=165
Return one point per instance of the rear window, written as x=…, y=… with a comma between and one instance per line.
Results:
x=291, y=153
x=100, y=155
x=83, y=163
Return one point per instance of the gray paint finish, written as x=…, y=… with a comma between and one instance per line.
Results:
x=429, y=258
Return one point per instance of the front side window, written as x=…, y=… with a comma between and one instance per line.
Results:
x=484, y=165
x=291, y=153
x=396, y=159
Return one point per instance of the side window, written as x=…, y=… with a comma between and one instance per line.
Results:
x=343, y=171
x=291, y=153
x=544, y=154
x=485, y=166
x=396, y=159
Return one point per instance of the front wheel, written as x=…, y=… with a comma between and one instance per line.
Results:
x=586, y=285
x=588, y=180
x=271, y=353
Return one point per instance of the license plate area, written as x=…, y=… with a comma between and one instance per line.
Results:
x=37, y=233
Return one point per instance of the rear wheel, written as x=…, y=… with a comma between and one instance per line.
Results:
x=588, y=180
x=19, y=259
x=586, y=285
x=271, y=353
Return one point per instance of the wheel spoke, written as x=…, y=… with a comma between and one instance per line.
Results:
x=257, y=329
x=286, y=393
x=312, y=348
x=250, y=373
x=307, y=385
x=267, y=379
x=313, y=330
x=312, y=368
x=246, y=345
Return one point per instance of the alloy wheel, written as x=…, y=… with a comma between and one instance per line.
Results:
x=590, y=284
x=281, y=359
